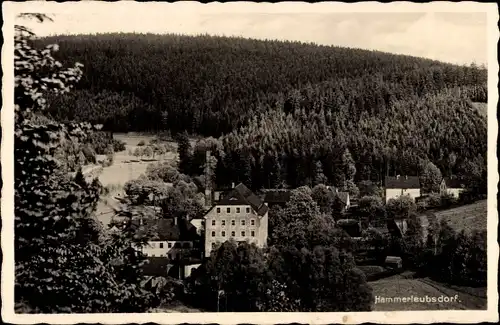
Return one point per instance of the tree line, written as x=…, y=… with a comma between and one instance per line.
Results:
x=65, y=262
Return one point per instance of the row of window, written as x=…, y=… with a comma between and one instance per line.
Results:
x=233, y=233
x=238, y=210
x=233, y=222
x=176, y=245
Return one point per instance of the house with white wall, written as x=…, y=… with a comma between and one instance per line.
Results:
x=176, y=239
x=401, y=185
x=452, y=186
x=240, y=215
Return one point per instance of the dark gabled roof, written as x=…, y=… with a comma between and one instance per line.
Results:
x=402, y=182
x=454, y=182
x=242, y=195
x=167, y=230
x=277, y=196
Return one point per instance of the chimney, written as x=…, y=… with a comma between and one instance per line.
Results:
x=406, y=177
x=232, y=185
x=397, y=176
x=175, y=221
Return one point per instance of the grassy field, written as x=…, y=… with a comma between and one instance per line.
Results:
x=466, y=298
x=482, y=108
x=123, y=170
x=468, y=217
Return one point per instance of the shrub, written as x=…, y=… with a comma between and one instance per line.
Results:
x=447, y=200
x=101, y=142
x=433, y=200
x=89, y=154
x=370, y=270
x=118, y=145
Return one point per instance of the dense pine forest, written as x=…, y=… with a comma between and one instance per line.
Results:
x=282, y=113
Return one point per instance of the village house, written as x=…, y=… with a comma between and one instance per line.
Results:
x=345, y=199
x=240, y=215
x=343, y=196
x=452, y=186
x=276, y=197
x=174, y=238
x=401, y=185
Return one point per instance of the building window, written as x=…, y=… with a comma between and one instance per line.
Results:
x=218, y=210
x=252, y=233
x=177, y=245
x=161, y=245
x=213, y=233
x=232, y=234
x=242, y=234
x=223, y=234
x=169, y=245
x=223, y=222
x=233, y=222
x=242, y=222
x=248, y=210
x=213, y=245
x=228, y=210
x=213, y=222
x=252, y=222
x=237, y=210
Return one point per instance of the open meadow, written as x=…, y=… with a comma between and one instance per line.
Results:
x=468, y=217
x=125, y=168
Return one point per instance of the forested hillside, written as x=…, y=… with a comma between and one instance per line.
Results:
x=210, y=85
x=284, y=113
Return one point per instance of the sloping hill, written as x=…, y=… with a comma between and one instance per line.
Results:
x=468, y=217
x=212, y=85
x=282, y=111
x=482, y=108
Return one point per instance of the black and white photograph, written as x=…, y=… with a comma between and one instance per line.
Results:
x=249, y=162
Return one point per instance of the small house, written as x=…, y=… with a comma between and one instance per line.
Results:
x=452, y=186
x=175, y=239
x=394, y=262
x=402, y=185
x=277, y=197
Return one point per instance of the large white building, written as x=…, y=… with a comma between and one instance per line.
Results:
x=401, y=185
x=240, y=215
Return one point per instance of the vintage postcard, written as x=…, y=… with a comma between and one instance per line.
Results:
x=249, y=162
